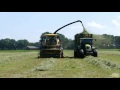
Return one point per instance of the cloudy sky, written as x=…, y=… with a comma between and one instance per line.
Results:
x=30, y=25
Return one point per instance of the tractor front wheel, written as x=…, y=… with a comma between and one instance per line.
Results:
x=95, y=53
x=81, y=53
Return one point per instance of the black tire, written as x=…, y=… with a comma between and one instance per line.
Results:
x=62, y=55
x=41, y=56
x=95, y=53
x=75, y=54
x=81, y=53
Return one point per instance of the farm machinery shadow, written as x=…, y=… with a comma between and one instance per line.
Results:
x=68, y=57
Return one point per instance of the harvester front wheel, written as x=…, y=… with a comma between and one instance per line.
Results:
x=62, y=55
x=75, y=55
x=41, y=56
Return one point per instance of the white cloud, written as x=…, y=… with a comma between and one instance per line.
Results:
x=116, y=21
x=93, y=24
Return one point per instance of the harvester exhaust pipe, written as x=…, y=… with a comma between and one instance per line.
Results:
x=70, y=24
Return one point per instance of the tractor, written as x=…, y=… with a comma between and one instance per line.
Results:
x=84, y=45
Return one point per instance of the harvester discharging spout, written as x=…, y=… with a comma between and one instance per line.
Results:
x=70, y=24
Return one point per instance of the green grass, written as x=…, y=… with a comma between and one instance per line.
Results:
x=25, y=64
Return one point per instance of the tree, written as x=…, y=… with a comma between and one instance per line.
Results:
x=22, y=44
x=12, y=44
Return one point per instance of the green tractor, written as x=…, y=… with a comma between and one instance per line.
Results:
x=84, y=45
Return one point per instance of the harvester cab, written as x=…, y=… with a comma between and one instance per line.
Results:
x=50, y=40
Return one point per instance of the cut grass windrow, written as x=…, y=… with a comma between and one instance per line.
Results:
x=103, y=63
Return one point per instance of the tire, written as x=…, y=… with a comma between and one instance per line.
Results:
x=41, y=56
x=81, y=53
x=62, y=55
x=95, y=54
x=75, y=54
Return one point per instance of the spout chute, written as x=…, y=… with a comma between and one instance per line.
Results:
x=70, y=24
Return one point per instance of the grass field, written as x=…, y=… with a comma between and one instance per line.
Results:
x=25, y=64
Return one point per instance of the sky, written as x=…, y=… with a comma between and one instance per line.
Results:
x=30, y=25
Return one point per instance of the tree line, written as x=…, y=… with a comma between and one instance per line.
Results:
x=107, y=41
x=12, y=44
x=102, y=42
